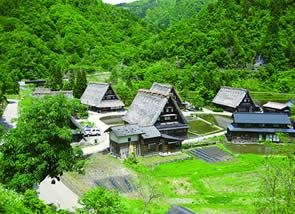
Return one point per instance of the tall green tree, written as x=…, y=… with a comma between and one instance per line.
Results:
x=39, y=146
x=102, y=201
x=80, y=84
x=277, y=189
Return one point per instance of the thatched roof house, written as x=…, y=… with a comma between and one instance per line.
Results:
x=40, y=92
x=101, y=96
x=168, y=89
x=147, y=107
x=153, y=124
x=234, y=99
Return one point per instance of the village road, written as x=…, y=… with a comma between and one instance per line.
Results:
x=95, y=117
x=9, y=113
x=58, y=194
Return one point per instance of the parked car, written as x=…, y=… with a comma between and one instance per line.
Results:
x=92, y=132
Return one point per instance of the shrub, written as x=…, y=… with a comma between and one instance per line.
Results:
x=217, y=110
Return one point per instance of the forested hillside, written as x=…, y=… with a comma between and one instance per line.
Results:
x=41, y=36
x=165, y=13
x=217, y=46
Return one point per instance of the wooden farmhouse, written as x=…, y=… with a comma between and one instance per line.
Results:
x=234, y=100
x=276, y=107
x=41, y=92
x=259, y=126
x=168, y=89
x=101, y=97
x=153, y=124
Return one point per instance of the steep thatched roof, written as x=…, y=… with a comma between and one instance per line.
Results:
x=41, y=93
x=94, y=94
x=228, y=96
x=274, y=105
x=165, y=89
x=147, y=107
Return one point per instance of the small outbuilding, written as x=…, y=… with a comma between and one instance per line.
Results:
x=276, y=107
x=168, y=89
x=234, y=100
x=259, y=126
x=77, y=131
x=101, y=97
x=41, y=92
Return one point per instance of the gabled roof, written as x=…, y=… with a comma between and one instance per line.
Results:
x=94, y=94
x=165, y=89
x=229, y=96
x=274, y=105
x=147, y=107
x=126, y=130
x=180, y=210
x=261, y=118
x=40, y=93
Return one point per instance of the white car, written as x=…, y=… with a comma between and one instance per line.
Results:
x=92, y=131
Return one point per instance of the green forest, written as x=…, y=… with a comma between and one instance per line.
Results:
x=209, y=44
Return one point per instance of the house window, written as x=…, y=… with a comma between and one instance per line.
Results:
x=152, y=147
x=276, y=125
x=129, y=139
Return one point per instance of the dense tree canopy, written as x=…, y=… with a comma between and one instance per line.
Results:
x=39, y=146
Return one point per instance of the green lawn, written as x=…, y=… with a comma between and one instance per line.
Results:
x=22, y=93
x=157, y=158
x=201, y=127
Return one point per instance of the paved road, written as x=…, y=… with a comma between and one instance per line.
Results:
x=58, y=194
x=94, y=117
x=9, y=113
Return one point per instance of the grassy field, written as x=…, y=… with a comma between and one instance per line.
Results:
x=272, y=96
x=22, y=93
x=227, y=187
x=157, y=158
x=201, y=127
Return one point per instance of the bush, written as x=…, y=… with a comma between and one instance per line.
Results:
x=217, y=110
x=131, y=159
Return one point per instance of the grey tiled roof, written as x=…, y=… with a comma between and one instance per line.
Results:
x=94, y=94
x=234, y=128
x=228, y=96
x=261, y=118
x=180, y=210
x=126, y=130
x=150, y=132
x=172, y=126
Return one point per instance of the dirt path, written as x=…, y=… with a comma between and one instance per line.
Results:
x=9, y=113
x=94, y=117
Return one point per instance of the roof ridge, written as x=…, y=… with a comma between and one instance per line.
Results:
x=153, y=92
x=228, y=87
x=164, y=85
x=99, y=83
